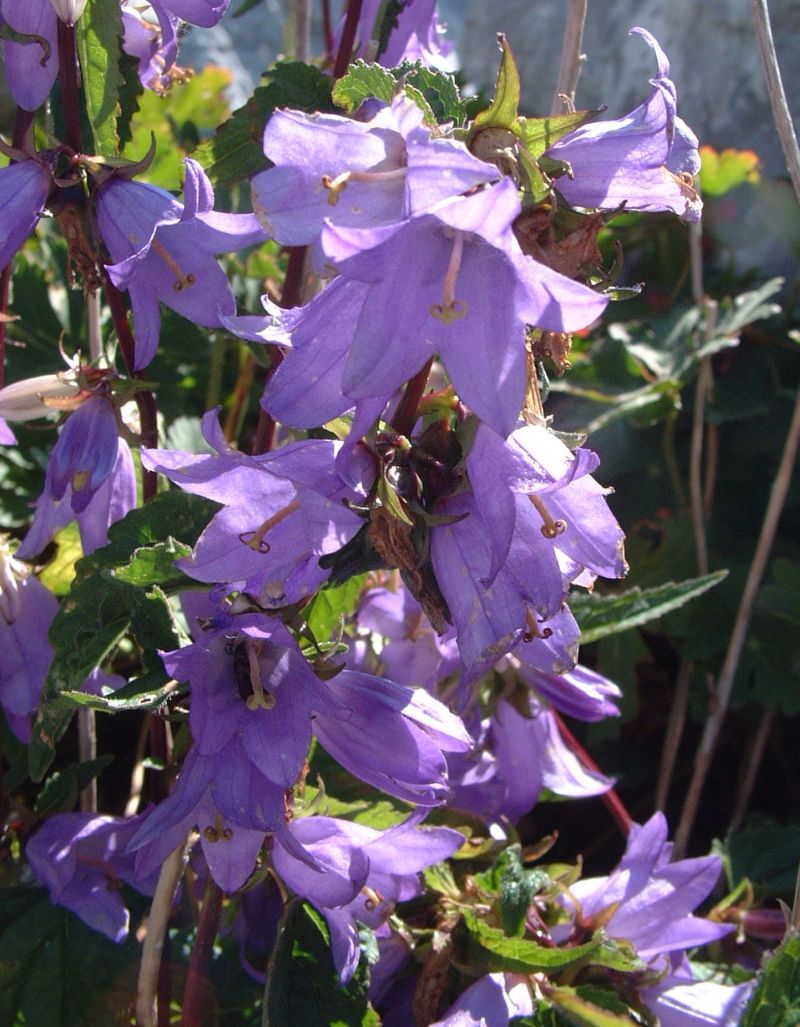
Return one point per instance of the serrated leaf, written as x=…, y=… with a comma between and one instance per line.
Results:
x=539, y=134
x=130, y=91
x=439, y=90
x=97, y=37
x=302, y=984
x=156, y=565
x=776, y=1000
x=363, y=82
x=57, y=972
x=146, y=692
x=62, y=789
x=235, y=152
x=172, y=517
x=504, y=109
x=489, y=949
x=599, y=616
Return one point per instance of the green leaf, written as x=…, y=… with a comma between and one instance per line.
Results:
x=504, y=109
x=515, y=887
x=764, y=851
x=62, y=789
x=57, y=972
x=146, y=692
x=362, y=82
x=722, y=171
x=302, y=984
x=245, y=6
x=489, y=949
x=59, y=574
x=330, y=604
x=167, y=517
x=156, y=564
x=437, y=87
x=539, y=134
x=592, y=1006
x=776, y=1000
x=130, y=92
x=97, y=37
x=599, y=616
x=235, y=152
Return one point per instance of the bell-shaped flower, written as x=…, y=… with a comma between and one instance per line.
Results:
x=205, y=13
x=24, y=189
x=356, y=174
x=356, y=873
x=283, y=511
x=153, y=44
x=495, y=999
x=111, y=500
x=451, y=281
x=393, y=738
x=165, y=251
x=85, y=453
x=81, y=859
x=649, y=899
x=27, y=609
x=645, y=160
x=580, y=692
x=31, y=67
x=680, y=1001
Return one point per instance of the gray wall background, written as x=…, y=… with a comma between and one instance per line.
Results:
x=710, y=43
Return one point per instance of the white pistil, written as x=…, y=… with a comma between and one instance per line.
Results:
x=255, y=539
x=551, y=528
x=261, y=698
x=336, y=185
x=451, y=308
x=182, y=281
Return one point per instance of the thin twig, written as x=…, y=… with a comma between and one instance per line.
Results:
x=347, y=38
x=571, y=59
x=146, y=991
x=777, y=96
x=751, y=766
x=672, y=742
x=703, y=386
x=777, y=498
x=93, y=320
x=87, y=748
x=195, y=994
x=302, y=29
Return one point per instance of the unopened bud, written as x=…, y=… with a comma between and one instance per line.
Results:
x=35, y=397
x=69, y=10
x=10, y=572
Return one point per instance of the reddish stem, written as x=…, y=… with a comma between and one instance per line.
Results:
x=616, y=807
x=406, y=414
x=195, y=996
x=348, y=38
x=327, y=27
x=68, y=76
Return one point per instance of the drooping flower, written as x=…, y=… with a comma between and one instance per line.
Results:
x=645, y=160
x=24, y=189
x=468, y=292
x=283, y=511
x=81, y=859
x=114, y=497
x=153, y=43
x=356, y=174
x=165, y=251
x=30, y=67
x=27, y=609
x=85, y=453
x=357, y=873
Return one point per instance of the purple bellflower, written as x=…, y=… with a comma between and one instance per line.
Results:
x=24, y=189
x=357, y=873
x=645, y=160
x=165, y=251
x=85, y=454
x=680, y=1001
x=81, y=859
x=205, y=13
x=111, y=499
x=394, y=738
x=452, y=280
x=27, y=609
x=356, y=174
x=493, y=1001
x=283, y=511
x=652, y=899
x=153, y=44
x=30, y=68
x=580, y=692
x=417, y=36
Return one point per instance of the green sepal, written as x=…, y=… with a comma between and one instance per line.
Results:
x=504, y=109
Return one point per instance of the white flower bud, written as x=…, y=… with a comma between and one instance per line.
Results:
x=11, y=571
x=35, y=397
x=69, y=10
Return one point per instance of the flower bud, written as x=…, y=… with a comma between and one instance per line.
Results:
x=69, y=10
x=34, y=397
x=10, y=572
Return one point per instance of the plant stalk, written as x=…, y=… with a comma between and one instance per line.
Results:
x=571, y=59
x=195, y=994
